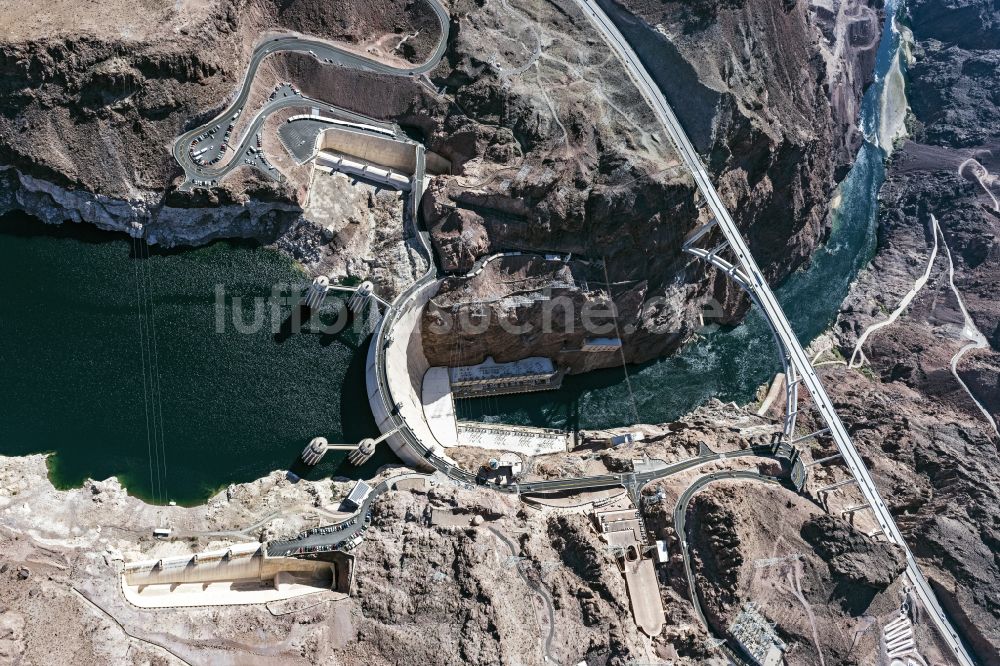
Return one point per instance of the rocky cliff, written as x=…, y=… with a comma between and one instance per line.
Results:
x=573, y=164
x=90, y=113
x=550, y=148
x=935, y=371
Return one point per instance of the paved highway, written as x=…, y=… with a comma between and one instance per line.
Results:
x=334, y=535
x=331, y=537
x=680, y=517
x=772, y=310
x=322, y=51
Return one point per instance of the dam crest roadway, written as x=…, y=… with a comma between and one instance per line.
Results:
x=396, y=362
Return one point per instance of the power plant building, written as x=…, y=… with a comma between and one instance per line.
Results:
x=535, y=373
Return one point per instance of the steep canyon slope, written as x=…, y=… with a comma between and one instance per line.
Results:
x=938, y=365
x=550, y=149
x=768, y=90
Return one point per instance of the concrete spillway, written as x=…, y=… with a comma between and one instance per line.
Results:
x=241, y=574
x=328, y=161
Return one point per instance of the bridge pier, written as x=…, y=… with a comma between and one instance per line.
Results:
x=695, y=235
x=820, y=461
x=810, y=436
x=717, y=249
x=834, y=486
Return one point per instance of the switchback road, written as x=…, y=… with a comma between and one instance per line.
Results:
x=323, y=51
x=751, y=275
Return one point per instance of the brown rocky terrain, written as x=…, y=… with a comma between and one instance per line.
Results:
x=915, y=412
x=533, y=170
x=819, y=579
x=549, y=146
x=77, y=94
x=424, y=592
x=446, y=574
x=775, y=138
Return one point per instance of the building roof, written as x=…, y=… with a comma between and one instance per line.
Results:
x=602, y=342
x=359, y=493
x=491, y=370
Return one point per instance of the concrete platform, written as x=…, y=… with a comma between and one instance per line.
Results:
x=519, y=439
x=225, y=593
x=644, y=593
x=439, y=408
x=240, y=574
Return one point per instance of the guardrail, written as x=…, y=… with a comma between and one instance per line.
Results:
x=772, y=310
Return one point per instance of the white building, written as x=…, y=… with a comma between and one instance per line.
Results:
x=535, y=373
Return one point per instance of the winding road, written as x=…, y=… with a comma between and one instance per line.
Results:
x=969, y=331
x=537, y=589
x=904, y=303
x=750, y=273
x=323, y=51
x=680, y=513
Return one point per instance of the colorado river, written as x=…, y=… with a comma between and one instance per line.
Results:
x=235, y=405
x=726, y=364
x=82, y=379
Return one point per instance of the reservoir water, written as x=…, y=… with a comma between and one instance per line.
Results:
x=211, y=399
x=80, y=380
x=729, y=364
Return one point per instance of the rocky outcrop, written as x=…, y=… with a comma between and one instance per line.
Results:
x=718, y=557
x=88, y=119
x=933, y=450
x=531, y=169
x=161, y=224
x=939, y=472
x=944, y=453
x=771, y=92
x=861, y=567
x=775, y=135
x=968, y=24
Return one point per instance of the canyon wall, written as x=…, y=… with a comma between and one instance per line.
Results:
x=550, y=147
x=938, y=452
x=571, y=162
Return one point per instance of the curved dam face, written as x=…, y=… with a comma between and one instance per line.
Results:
x=405, y=364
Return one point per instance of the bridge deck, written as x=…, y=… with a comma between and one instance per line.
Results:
x=763, y=295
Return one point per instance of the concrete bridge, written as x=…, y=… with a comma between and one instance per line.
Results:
x=744, y=270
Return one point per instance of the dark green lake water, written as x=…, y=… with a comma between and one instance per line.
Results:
x=234, y=406
x=82, y=375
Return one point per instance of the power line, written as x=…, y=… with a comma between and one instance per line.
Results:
x=159, y=384
x=142, y=356
x=621, y=346
x=152, y=374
